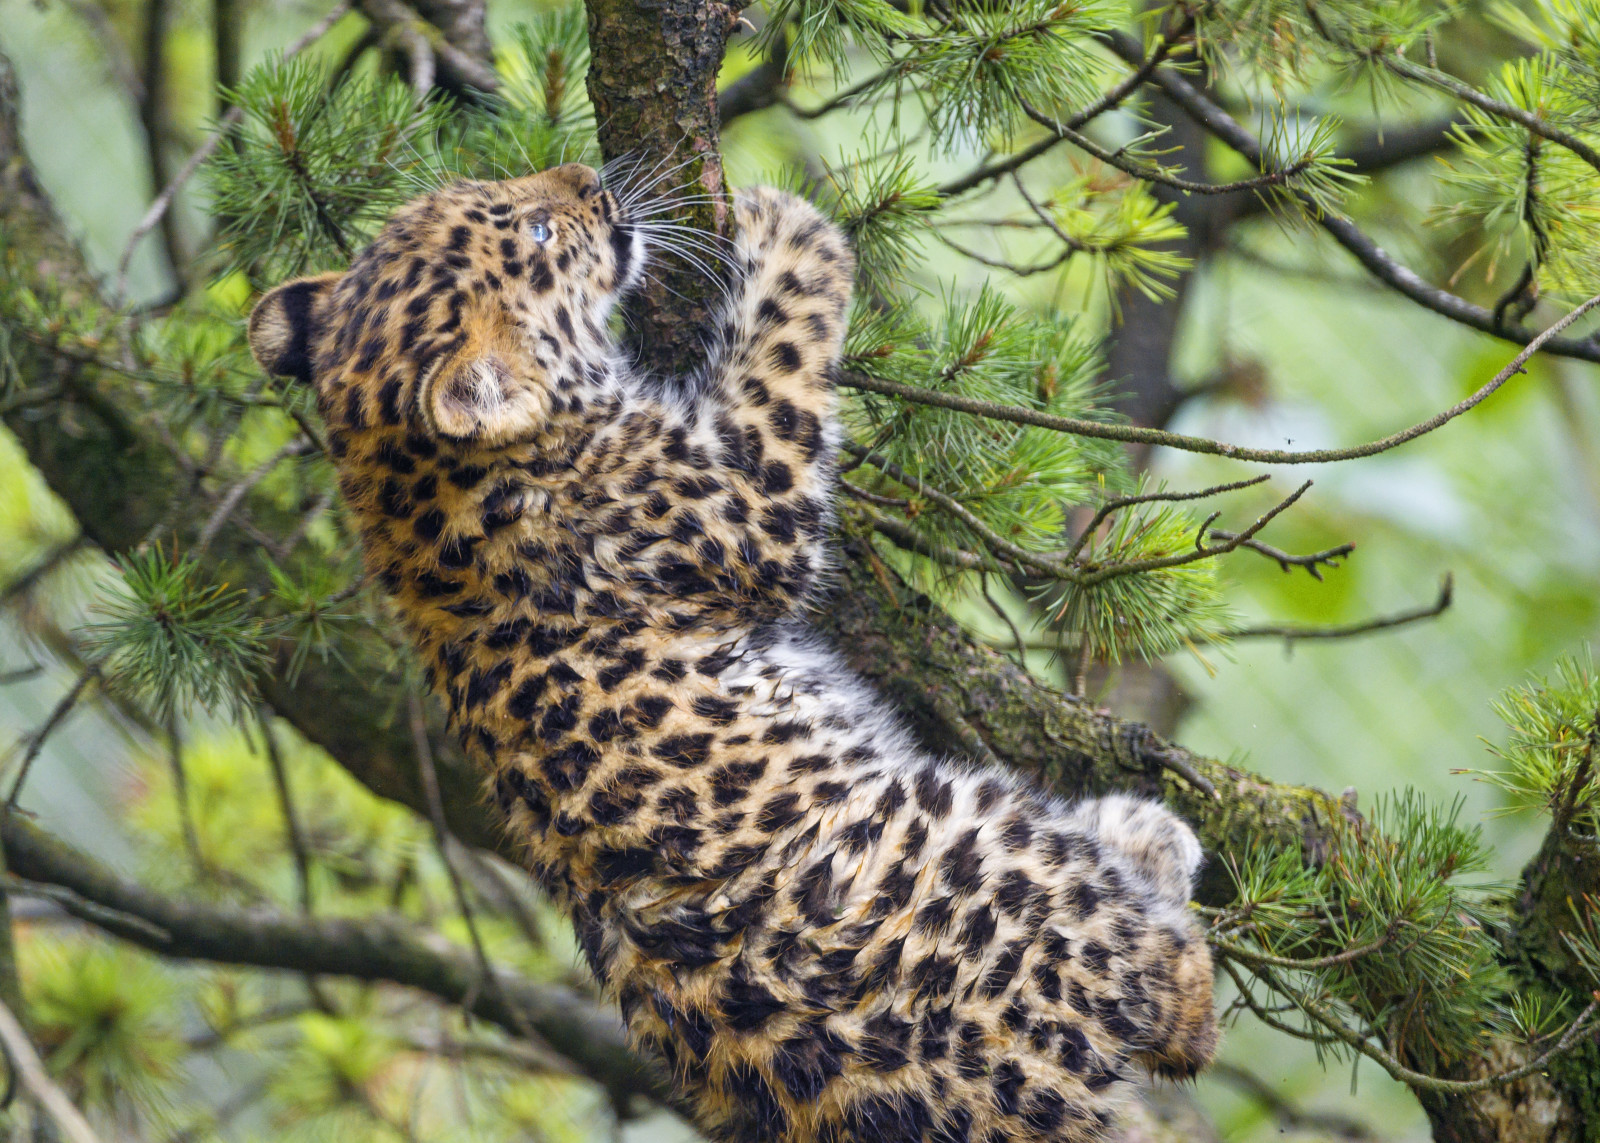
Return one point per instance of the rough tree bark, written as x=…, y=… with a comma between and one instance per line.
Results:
x=98, y=449
x=653, y=82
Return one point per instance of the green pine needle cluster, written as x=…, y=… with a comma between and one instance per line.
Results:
x=1015, y=487
x=540, y=118
x=107, y=1023
x=882, y=201
x=1127, y=231
x=1290, y=43
x=1379, y=936
x=1532, y=200
x=973, y=68
x=315, y=169
x=320, y=162
x=979, y=66
x=1018, y=479
x=1551, y=754
x=1145, y=614
x=173, y=642
x=825, y=29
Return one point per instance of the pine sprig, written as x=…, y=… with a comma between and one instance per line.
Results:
x=1148, y=614
x=541, y=117
x=313, y=171
x=1017, y=479
x=1530, y=198
x=315, y=612
x=1551, y=754
x=1380, y=933
x=823, y=30
x=882, y=201
x=172, y=641
x=1127, y=232
x=977, y=69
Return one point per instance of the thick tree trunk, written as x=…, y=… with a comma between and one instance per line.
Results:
x=653, y=82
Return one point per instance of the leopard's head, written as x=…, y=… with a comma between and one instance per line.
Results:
x=476, y=317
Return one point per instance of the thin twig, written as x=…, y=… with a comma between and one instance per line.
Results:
x=1118, y=503
x=25, y=1061
x=1175, y=761
x=1468, y=94
x=1117, y=158
x=1312, y=561
x=235, y=115
x=1251, y=957
x=77, y=906
x=180, y=794
x=1350, y=630
x=495, y=883
x=36, y=743
x=284, y=548
x=1009, y=267
x=1265, y=1015
x=840, y=99
x=443, y=839
x=230, y=499
x=1323, y=1016
x=873, y=497
x=953, y=506
x=1288, y=1115
x=291, y=817
x=1005, y=617
x=1202, y=550
x=1135, y=434
x=1067, y=570
x=907, y=537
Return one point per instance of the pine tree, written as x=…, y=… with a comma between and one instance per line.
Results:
x=1027, y=190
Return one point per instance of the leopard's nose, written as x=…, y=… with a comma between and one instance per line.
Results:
x=575, y=177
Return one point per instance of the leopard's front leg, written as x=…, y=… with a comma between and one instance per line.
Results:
x=768, y=391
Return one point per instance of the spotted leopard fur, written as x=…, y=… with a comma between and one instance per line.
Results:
x=828, y=935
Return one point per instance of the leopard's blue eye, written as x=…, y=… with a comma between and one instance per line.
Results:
x=539, y=232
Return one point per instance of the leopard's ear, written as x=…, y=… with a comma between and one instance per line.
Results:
x=484, y=392
x=285, y=322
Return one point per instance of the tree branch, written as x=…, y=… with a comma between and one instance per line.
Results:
x=1291, y=635
x=371, y=949
x=1079, y=426
x=1379, y=262
x=759, y=88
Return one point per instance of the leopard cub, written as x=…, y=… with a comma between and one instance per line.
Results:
x=828, y=934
